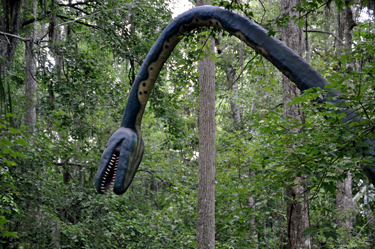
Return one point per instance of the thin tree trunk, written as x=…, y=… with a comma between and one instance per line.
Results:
x=297, y=210
x=307, y=45
x=234, y=107
x=344, y=204
x=30, y=73
x=344, y=196
x=206, y=178
x=132, y=32
x=253, y=226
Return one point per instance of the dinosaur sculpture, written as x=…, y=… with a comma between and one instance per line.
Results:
x=125, y=148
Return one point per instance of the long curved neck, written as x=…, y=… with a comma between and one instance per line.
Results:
x=285, y=59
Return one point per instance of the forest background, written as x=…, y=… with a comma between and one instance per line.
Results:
x=66, y=69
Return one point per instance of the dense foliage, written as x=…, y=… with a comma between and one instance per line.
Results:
x=85, y=69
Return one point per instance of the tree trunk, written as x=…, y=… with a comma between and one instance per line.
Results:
x=30, y=72
x=344, y=189
x=10, y=22
x=206, y=178
x=234, y=107
x=344, y=204
x=131, y=75
x=250, y=203
x=298, y=209
x=298, y=215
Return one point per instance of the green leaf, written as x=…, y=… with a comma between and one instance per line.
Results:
x=3, y=220
x=21, y=142
x=6, y=142
x=334, y=235
x=13, y=130
x=10, y=115
x=7, y=234
x=9, y=163
x=310, y=231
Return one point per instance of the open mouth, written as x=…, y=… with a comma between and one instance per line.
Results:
x=109, y=175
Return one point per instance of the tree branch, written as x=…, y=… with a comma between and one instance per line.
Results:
x=30, y=21
x=74, y=4
x=368, y=222
x=76, y=8
x=324, y=32
x=264, y=13
x=73, y=164
x=15, y=36
x=77, y=20
x=242, y=71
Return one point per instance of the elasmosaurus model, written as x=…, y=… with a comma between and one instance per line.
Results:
x=124, y=150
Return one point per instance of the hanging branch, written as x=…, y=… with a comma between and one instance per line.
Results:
x=323, y=32
x=242, y=71
x=77, y=3
x=264, y=13
x=77, y=19
x=15, y=36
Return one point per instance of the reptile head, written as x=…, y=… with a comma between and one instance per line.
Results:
x=120, y=161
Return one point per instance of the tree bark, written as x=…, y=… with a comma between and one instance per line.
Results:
x=234, y=107
x=344, y=195
x=297, y=210
x=206, y=178
x=344, y=204
x=30, y=73
x=298, y=215
x=10, y=22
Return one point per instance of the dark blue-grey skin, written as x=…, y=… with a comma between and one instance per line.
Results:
x=124, y=150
